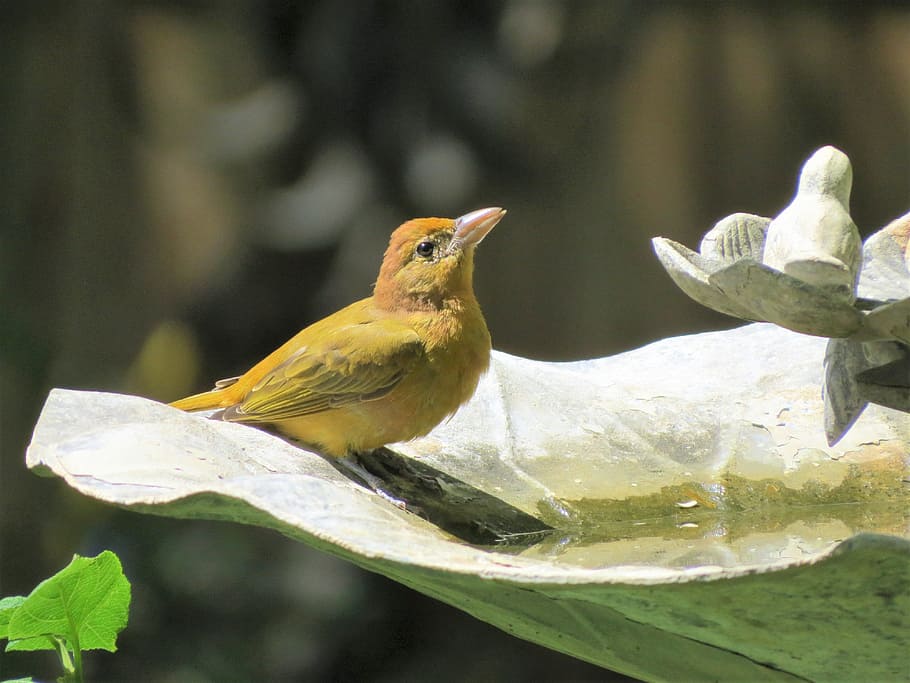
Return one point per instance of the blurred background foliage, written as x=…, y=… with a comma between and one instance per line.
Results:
x=188, y=183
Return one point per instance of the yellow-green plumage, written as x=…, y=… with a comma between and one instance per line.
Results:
x=387, y=368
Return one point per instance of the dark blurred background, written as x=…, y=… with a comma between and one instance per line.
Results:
x=186, y=184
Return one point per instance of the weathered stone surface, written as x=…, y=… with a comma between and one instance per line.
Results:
x=698, y=511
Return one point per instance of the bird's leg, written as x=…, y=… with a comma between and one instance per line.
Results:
x=353, y=466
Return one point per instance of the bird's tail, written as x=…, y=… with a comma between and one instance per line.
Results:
x=217, y=398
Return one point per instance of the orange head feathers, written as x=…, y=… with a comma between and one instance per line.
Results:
x=386, y=368
x=431, y=259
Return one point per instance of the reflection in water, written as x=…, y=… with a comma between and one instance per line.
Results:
x=733, y=521
x=701, y=536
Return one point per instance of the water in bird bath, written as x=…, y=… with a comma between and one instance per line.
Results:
x=727, y=521
x=702, y=536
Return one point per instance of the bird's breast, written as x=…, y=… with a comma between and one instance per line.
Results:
x=457, y=353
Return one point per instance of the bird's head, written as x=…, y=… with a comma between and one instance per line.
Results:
x=430, y=260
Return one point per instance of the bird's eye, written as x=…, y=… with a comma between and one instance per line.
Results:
x=425, y=249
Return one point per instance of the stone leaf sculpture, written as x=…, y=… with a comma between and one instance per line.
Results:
x=655, y=516
x=808, y=271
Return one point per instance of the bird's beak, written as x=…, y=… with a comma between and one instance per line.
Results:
x=471, y=228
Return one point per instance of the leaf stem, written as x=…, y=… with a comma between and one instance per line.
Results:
x=77, y=654
x=72, y=670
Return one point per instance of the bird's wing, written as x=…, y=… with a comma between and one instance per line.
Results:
x=350, y=364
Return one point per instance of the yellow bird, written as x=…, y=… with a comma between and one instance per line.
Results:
x=386, y=368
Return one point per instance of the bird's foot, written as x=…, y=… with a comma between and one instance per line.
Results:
x=353, y=466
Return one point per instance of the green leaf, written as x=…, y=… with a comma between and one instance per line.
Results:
x=30, y=644
x=86, y=604
x=7, y=607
